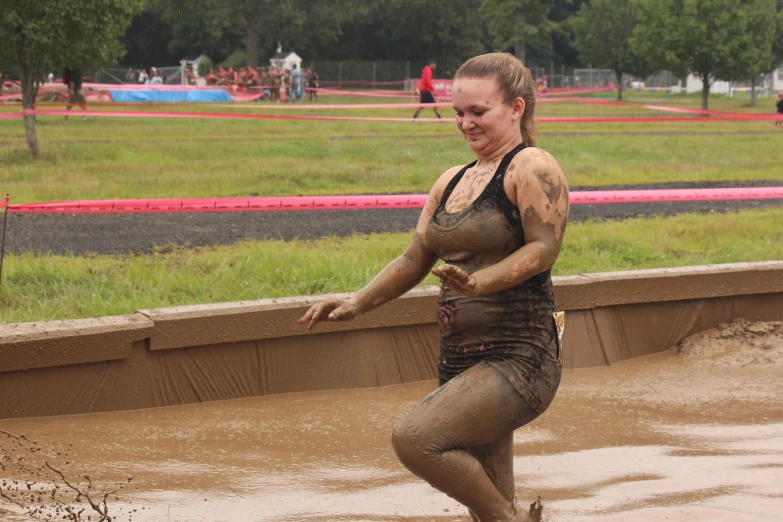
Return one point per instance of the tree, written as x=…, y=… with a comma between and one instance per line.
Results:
x=518, y=23
x=433, y=29
x=777, y=41
x=147, y=41
x=759, y=57
x=211, y=27
x=43, y=34
x=708, y=38
x=602, y=31
x=220, y=27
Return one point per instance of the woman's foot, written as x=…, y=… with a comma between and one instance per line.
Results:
x=536, y=510
x=517, y=514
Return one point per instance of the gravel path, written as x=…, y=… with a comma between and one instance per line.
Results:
x=142, y=233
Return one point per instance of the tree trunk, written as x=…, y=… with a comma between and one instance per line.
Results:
x=619, y=75
x=753, y=90
x=252, y=39
x=519, y=46
x=252, y=44
x=28, y=102
x=705, y=91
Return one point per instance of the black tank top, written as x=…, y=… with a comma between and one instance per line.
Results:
x=513, y=326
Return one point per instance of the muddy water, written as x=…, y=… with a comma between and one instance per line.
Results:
x=669, y=437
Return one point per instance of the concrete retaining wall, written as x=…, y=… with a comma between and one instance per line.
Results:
x=188, y=354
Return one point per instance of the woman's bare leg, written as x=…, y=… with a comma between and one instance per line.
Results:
x=497, y=459
x=474, y=413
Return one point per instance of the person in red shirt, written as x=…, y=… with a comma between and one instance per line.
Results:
x=426, y=88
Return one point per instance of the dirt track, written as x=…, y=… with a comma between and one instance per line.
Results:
x=141, y=233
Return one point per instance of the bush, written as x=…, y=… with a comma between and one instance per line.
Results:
x=204, y=65
x=236, y=59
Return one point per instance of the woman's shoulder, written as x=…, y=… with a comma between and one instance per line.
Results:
x=531, y=160
x=529, y=165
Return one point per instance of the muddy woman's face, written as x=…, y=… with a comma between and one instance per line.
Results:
x=484, y=120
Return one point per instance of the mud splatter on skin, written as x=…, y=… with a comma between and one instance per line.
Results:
x=540, y=188
x=433, y=438
x=552, y=189
x=471, y=185
x=398, y=277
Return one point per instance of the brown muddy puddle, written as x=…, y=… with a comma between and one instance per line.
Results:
x=657, y=438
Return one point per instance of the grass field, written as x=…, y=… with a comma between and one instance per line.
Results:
x=140, y=157
x=38, y=287
x=131, y=158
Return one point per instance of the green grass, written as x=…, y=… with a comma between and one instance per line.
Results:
x=108, y=158
x=137, y=158
x=41, y=287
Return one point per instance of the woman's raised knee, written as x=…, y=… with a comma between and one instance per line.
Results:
x=404, y=439
x=415, y=442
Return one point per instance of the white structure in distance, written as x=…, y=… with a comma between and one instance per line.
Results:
x=286, y=60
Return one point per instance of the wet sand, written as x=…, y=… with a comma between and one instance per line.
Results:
x=689, y=436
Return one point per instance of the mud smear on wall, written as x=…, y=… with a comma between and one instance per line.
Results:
x=662, y=437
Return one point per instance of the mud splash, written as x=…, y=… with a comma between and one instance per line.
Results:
x=39, y=481
x=739, y=343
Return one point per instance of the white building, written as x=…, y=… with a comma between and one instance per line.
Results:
x=694, y=84
x=286, y=60
x=777, y=80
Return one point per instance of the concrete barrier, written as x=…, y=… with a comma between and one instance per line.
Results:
x=198, y=353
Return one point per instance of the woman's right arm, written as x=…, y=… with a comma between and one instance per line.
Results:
x=399, y=276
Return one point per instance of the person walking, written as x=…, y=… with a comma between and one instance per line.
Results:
x=426, y=88
x=73, y=79
x=497, y=224
x=312, y=85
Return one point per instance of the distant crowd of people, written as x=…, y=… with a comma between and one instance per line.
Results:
x=274, y=82
x=143, y=78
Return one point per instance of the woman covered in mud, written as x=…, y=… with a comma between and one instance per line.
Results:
x=498, y=224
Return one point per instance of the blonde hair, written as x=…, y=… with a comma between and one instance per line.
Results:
x=514, y=81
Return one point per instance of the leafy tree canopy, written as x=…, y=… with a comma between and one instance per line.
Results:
x=40, y=35
x=602, y=31
x=709, y=38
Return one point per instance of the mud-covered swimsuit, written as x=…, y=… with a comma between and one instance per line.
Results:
x=512, y=330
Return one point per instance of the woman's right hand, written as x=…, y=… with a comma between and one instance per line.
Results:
x=329, y=310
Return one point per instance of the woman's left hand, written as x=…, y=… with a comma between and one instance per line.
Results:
x=457, y=279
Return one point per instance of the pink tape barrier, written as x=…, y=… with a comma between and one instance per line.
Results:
x=373, y=202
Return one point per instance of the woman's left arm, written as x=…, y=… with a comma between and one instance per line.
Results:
x=538, y=187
